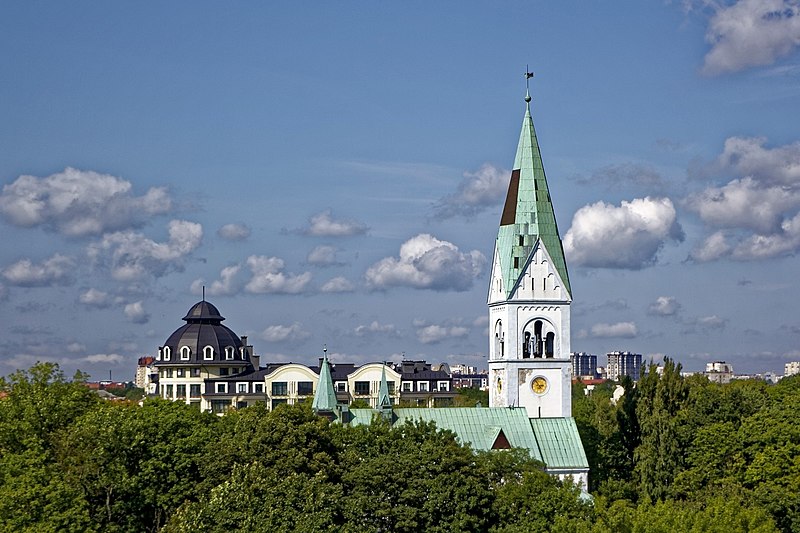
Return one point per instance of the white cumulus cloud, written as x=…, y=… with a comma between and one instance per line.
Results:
x=751, y=33
x=228, y=284
x=744, y=203
x=755, y=214
x=712, y=248
x=95, y=298
x=268, y=277
x=747, y=156
x=375, y=328
x=435, y=333
x=476, y=192
x=624, y=330
x=629, y=236
x=784, y=242
x=281, y=333
x=234, y=232
x=136, y=313
x=426, y=262
x=712, y=322
x=338, y=284
x=80, y=202
x=114, y=358
x=664, y=306
x=132, y=256
x=323, y=255
x=324, y=225
x=57, y=270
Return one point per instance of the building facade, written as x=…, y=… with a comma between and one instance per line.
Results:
x=584, y=365
x=205, y=364
x=719, y=372
x=622, y=364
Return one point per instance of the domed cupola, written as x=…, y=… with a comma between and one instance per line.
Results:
x=203, y=340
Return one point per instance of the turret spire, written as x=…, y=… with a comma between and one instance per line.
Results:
x=384, y=401
x=325, y=397
x=528, y=214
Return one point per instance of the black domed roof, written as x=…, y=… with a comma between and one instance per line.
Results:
x=203, y=311
x=202, y=332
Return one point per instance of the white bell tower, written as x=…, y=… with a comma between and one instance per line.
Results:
x=529, y=295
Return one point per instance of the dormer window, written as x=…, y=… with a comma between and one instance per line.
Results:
x=186, y=352
x=167, y=353
x=229, y=353
x=208, y=353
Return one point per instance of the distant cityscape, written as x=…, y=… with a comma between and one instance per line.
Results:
x=420, y=382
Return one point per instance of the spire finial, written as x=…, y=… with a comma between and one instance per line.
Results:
x=204, y=293
x=528, y=76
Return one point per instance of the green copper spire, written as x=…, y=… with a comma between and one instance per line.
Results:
x=325, y=397
x=528, y=214
x=384, y=402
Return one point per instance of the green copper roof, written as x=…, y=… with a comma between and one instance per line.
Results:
x=528, y=214
x=559, y=442
x=481, y=427
x=325, y=397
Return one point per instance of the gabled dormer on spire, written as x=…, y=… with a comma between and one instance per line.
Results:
x=325, y=397
x=528, y=216
x=384, y=401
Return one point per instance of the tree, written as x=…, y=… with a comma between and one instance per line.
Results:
x=136, y=465
x=412, y=477
x=659, y=457
x=470, y=397
x=255, y=499
x=38, y=403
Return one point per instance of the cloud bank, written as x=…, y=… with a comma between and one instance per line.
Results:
x=79, y=203
x=426, y=262
x=627, y=237
x=751, y=33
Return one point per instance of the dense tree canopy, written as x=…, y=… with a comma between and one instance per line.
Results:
x=672, y=454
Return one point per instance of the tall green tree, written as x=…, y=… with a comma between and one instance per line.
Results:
x=38, y=403
x=659, y=457
x=136, y=465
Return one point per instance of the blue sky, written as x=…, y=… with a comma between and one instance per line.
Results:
x=334, y=174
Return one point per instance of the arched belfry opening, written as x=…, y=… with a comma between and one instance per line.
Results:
x=539, y=340
x=499, y=340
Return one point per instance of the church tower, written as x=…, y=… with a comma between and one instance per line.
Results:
x=529, y=294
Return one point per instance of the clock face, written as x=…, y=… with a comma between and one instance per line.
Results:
x=539, y=385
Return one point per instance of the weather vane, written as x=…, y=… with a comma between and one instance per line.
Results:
x=528, y=76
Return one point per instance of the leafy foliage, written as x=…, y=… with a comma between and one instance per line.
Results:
x=672, y=454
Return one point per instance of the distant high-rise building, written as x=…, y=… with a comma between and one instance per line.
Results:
x=791, y=368
x=583, y=364
x=624, y=364
x=147, y=375
x=719, y=371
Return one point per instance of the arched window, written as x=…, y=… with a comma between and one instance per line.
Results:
x=229, y=352
x=499, y=340
x=526, y=345
x=549, y=344
x=186, y=352
x=167, y=353
x=538, y=341
x=208, y=353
